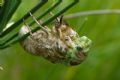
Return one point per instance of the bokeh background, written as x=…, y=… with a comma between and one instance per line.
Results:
x=102, y=63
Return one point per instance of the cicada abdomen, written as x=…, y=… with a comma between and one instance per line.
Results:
x=61, y=44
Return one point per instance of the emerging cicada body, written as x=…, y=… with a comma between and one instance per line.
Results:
x=61, y=44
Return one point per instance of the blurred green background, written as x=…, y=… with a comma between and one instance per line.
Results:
x=102, y=62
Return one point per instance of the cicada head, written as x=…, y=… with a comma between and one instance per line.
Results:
x=78, y=50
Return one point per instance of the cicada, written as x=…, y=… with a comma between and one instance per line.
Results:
x=59, y=44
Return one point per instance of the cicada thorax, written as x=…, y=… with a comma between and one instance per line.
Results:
x=61, y=44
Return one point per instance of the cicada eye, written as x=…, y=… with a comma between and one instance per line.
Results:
x=79, y=48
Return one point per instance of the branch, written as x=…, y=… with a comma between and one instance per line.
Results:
x=92, y=12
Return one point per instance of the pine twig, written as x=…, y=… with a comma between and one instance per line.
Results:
x=92, y=12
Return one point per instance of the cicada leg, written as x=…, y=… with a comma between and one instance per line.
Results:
x=58, y=23
x=39, y=23
x=26, y=25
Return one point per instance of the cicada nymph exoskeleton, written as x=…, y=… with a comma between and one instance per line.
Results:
x=59, y=44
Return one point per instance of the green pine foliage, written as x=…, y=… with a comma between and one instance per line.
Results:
x=102, y=62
